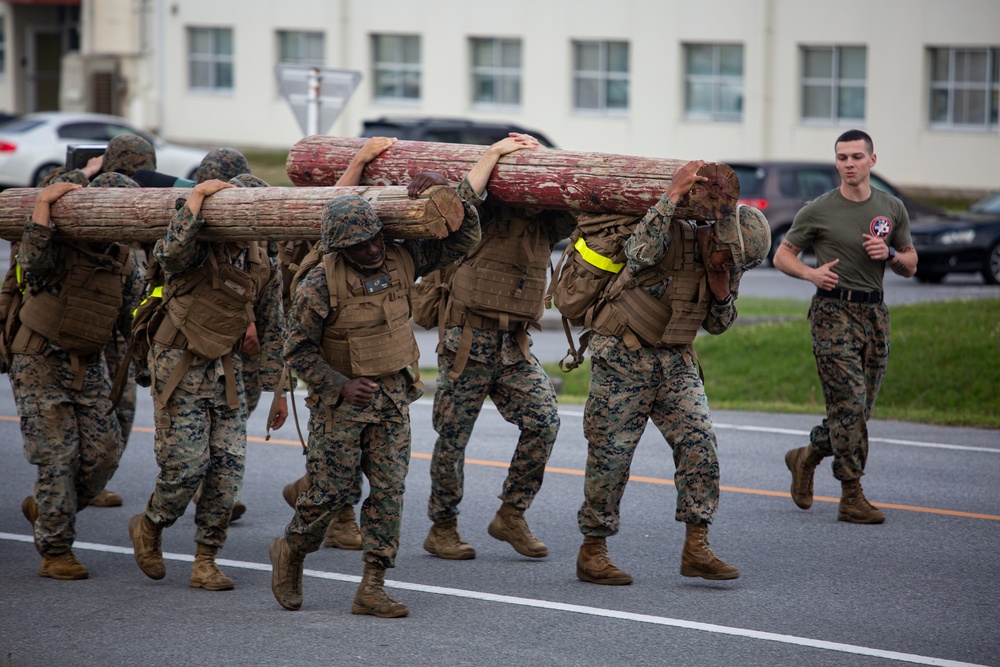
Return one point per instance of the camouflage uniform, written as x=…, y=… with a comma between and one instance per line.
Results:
x=520, y=388
x=376, y=436
x=199, y=438
x=68, y=432
x=850, y=340
x=125, y=154
x=223, y=164
x=627, y=388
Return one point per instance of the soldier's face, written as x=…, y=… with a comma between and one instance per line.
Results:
x=368, y=254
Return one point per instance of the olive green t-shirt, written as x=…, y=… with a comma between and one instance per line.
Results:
x=833, y=226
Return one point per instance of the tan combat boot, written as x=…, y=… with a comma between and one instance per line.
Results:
x=106, y=499
x=371, y=599
x=147, y=546
x=510, y=526
x=286, y=574
x=29, y=509
x=854, y=507
x=293, y=490
x=594, y=565
x=698, y=559
x=444, y=541
x=802, y=464
x=62, y=566
x=206, y=574
x=343, y=532
x=239, y=509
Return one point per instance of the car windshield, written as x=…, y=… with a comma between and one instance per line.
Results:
x=17, y=126
x=988, y=204
x=751, y=180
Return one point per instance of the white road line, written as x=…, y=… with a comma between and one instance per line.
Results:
x=793, y=432
x=555, y=606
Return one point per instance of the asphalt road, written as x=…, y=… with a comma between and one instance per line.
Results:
x=920, y=589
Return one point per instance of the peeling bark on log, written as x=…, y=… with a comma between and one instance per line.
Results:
x=277, y=214
x=556, y=179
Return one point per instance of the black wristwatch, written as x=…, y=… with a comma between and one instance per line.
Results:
x=892, y=254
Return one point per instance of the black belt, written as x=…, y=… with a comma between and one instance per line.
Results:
x=854, y=296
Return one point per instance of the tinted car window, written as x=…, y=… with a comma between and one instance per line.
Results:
x=751, y=180
x=89, y=130
x=988, y=204
x=18, y=126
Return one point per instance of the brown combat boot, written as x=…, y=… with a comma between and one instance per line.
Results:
x=510, y=526
x=371, y=599
x=29, y=509
x=286, y=574
x=293, y=490
x=802, y=464
x=698, y=559
x=147, y=546
x=239, y=509
x=854, y=507
x=343, y=532
x=62, y=566
x=206, y=574
x=444, y=541
x=593, y=564
x=106, y=499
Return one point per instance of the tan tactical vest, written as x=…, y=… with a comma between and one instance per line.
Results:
x=81, y=319
x=639, y=318
x=210, y=307
x=290, y=256
x=501, y=283
x=367, y=332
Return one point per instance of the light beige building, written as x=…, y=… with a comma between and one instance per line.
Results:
x=728, y=80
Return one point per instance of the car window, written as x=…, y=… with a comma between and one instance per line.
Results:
x=84, y=130
x=815, y=182
x=988, y=204
x=751, y=180
x=19, y=126
x=114, y=130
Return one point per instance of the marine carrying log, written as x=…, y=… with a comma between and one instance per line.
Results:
x=233, y=214
x=550, y=178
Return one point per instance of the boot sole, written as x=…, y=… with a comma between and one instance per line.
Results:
x=865, y=522
x=272, y=552
x=72, y=577
x=464, y=555
x=804, y=504
x=365, y=611
x=212, y=587
x=620, y=581
x=503, y=537
x=691, y=572
x=335, y=544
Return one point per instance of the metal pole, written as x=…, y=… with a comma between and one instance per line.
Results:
x=312, y=103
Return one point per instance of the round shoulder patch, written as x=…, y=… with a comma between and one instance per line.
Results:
x=881, y=227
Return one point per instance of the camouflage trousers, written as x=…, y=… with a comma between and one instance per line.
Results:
x=251, y=380
x=337, y=448
x=114, y=352
x=525, y=397
x=70, y=437
x=199, y=440
x=851, y=346
x=626, y=389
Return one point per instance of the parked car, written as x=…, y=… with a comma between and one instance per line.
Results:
x=965, y=242
x=34, y=144
x=448, y=130
x=780, y=188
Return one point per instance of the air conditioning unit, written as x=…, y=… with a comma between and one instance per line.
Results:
x=91, y=83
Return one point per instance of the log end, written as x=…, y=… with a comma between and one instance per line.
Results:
x=715, y=198
x=445, y=206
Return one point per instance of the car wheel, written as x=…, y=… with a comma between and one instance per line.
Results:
x=929, y=277
x=42, y=172
x=991, y=270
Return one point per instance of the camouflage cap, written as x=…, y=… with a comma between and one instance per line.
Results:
x=222, y=164
x=749, y=239
x=348, y=220
x=248, y=181
x=127, y=154
x=113, y=180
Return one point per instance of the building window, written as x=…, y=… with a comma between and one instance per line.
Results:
x=713, y=81
x=965, y=87
x=833, y=83
x=300, y=48
x=496, y=71
x=210, y=58
x=600, y=76
x=397, y=67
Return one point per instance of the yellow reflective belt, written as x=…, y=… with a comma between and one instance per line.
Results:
x=157, y=293
x=596, y=258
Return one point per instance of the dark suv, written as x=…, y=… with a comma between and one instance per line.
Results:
x=448, y=130
x=780, y=188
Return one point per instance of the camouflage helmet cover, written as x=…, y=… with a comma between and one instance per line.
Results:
x=749, y=239
x=113, y=180
x=348, y=220
x=222, y=164
x=248, y=181
x=127, y=154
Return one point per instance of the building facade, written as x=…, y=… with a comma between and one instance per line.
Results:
x=735, y=79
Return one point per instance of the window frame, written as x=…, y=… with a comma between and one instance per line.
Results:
x=603, y=76
x=304, y=45
x=716, y=80
x=498, y=73
x=836, y=83
x=215, y=60
x=952, y=87
x=398, y=67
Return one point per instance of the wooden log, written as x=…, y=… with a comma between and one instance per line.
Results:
x=556, y=179
x=277, y=214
